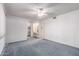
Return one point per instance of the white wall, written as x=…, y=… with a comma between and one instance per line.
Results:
x=64, y=29
x=2, y=28
x=16, y=29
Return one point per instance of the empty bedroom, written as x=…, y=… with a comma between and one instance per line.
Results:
x=39, y=29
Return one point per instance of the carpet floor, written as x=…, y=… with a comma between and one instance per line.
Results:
x=39, y=48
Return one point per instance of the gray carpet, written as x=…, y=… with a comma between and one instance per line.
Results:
x=39, y=48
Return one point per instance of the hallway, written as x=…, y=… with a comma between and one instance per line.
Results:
x=40, y=47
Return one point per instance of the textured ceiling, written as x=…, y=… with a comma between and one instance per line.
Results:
x=28, y=10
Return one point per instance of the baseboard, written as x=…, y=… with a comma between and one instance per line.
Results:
x=62, y=43
x=16, y=42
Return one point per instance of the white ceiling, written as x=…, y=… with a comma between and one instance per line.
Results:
x=28, y=10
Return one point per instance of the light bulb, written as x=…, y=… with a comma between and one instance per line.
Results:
x=41, y=12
